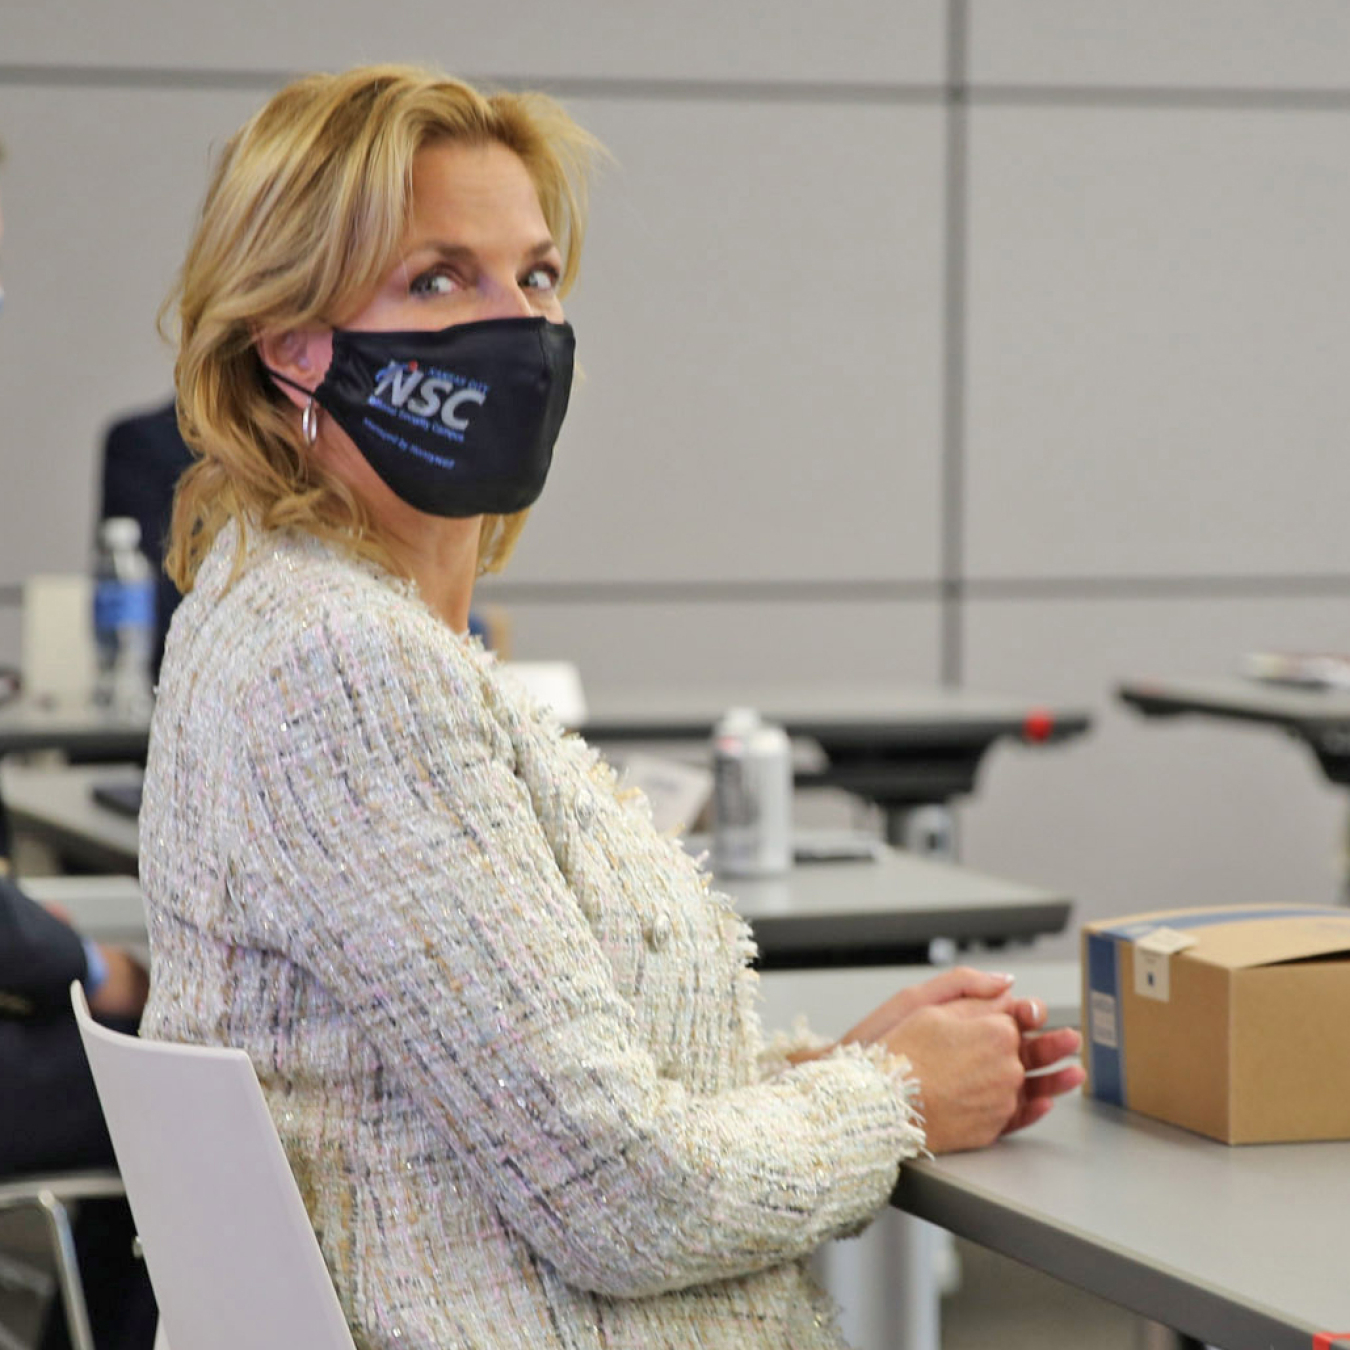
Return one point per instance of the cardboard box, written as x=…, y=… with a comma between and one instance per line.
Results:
x=1232, y=1022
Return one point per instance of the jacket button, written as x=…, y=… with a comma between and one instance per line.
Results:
x=659, y=933
x=585, y=809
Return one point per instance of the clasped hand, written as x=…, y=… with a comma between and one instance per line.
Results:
x=974, y=1049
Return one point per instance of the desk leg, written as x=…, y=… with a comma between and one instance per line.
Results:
x=1155, y=1336
x=930, y=831
x=885, y=1283
x=927, y=830
x=1344, y=896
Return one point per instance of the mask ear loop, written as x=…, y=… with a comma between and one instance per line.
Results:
x=309, y=421
x=309, y=417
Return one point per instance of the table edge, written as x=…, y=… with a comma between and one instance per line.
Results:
x=1087, y=1261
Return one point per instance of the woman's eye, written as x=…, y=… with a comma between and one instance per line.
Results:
x=434, y=283
x=541, y=278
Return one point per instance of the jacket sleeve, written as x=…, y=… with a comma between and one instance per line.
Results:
x=406, y=870
x=39, y=955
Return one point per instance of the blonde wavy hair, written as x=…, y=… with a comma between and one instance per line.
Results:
x=306, y=207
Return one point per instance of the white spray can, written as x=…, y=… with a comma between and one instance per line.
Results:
x=752, y=796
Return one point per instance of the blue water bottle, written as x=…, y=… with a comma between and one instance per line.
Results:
x=124, y=619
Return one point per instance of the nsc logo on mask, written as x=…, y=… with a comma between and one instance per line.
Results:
x=435, y=400
x=497, y=389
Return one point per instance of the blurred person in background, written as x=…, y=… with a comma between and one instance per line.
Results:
x=50, y=1118
x=143, y=458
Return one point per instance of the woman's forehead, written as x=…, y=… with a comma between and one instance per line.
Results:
x=481, y=192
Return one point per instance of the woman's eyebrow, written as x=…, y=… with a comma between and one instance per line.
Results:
x=463, y=253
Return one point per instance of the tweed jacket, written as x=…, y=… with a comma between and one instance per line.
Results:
x=505, y=1028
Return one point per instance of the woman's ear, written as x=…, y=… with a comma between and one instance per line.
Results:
x=301, y=355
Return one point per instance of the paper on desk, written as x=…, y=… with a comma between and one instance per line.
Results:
x=678, y=792
x=1309, y=670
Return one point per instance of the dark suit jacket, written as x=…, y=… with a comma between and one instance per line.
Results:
x=39, y=957
x=49, y=1111
x=143, y=459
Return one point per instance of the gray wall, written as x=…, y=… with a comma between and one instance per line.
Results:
x=999, y=343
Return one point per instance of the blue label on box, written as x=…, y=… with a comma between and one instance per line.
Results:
x=1106, y=1050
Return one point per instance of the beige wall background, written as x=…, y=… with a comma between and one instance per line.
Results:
x=991, y=342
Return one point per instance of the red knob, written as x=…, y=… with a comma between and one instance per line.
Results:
x=1038, y=725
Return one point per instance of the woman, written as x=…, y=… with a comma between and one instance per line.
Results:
x=506, y=1030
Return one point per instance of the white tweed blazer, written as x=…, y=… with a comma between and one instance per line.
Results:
x=507, y=1032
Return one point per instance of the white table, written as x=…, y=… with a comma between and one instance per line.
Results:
x=107, y=909
x=834, y=999
x=57, y=806
x=1243, y=1248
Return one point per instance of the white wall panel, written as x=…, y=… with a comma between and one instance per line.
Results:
x=714, y=645
x=698, y=39
x=759, y=322
x=1295, y=44
x=99, y=189
x=1157, y=342
x=1150, y=813
x=759, y=318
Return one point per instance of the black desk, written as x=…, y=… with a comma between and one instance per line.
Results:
x=57, y=806
x=819, y=914
x=886, y=912
x=900, y=748
x=76, y=729
x=1320, y=718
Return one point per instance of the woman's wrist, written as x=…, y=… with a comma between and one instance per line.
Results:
x=803, y=1054
x=124, y=987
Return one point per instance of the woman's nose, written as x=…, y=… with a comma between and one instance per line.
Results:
x=506, y=300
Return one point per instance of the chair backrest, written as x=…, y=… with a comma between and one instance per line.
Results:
x=228, y=1244
x=57, y=644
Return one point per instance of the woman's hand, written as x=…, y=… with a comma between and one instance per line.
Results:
x=967, y=1055
x=958, y=982
x=969, y=1075
x=1039, y=1051
x=123, y=993
x=979, y=1054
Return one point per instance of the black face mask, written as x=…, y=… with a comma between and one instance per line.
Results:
x=458, y=421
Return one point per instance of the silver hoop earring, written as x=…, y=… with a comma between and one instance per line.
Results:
x=309, y=422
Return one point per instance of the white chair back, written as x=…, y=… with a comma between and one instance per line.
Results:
x=228, y=1244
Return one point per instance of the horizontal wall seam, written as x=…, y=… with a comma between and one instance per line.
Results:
x=1159, y=587
x=1235, y=99
x=953, y=589
x=959, y=589
x=867, y=93
x=711, y=592
x=598, y=86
